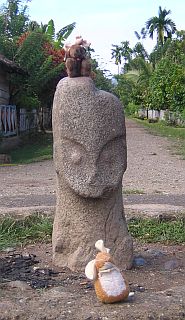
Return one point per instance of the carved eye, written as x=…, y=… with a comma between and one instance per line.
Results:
x=76, y=157
x=112, y=151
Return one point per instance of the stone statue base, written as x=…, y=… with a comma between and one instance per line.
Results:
x=79, y=222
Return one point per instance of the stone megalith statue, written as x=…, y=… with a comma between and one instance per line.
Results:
x=90, y=158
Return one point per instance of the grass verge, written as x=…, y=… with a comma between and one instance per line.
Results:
x=176, y=134
x=155, y=230
x=133, y=191
x=38, y=228
x=34, y=148
x=31, y=229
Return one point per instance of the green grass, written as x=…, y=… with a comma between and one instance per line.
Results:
x=133, y=191
x=34, y=148
x=176, y=134
x=38, y=228
x=154, y=230
x=31, y=229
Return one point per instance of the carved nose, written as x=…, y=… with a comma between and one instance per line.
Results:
x=92, y=176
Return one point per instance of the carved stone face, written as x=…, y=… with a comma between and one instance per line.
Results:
x=90, y=146
x=91, y=173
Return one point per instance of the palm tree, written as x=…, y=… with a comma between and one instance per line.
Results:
x=139, y=51
x=162, y=25
x=121, y=51
x=142, y=34
x=126, y=51
x=116, y=54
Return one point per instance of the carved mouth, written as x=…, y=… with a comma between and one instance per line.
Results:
x=95, y=191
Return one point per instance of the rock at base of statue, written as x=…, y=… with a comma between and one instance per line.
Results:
x=90, y=160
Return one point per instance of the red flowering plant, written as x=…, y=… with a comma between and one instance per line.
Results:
x=40, y=52
x=57, y=55
x=22, y=38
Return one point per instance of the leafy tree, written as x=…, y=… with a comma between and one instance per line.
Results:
x=42, y=68
x=176, y=51
x=180, y=35
x=162, y=25
x=145, y=71
x=13, y=22
x=36, y=90
x=125, y=89
x=102, y=82
x=167, y=87
x=139, y=51
x=13, y=18
x=37, y=51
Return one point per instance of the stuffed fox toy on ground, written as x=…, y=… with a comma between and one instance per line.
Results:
x=110, y=285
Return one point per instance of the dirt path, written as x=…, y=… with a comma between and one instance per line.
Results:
x=151, y=166
x=152, y=171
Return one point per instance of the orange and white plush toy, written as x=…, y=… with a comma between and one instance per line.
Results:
x=79, y=40
x=110, y=285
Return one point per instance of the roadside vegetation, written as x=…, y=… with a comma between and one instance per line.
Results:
x=39, y=50
x=153, y=81
x=31, y=229
x=132, y=191
x=38, y=228
x=154, y=230
x=37, y=147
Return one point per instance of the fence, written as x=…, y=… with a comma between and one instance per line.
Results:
x=161, y=115
x=8, y=120
x=152, y=114
x=27, y=120
x=12, y=122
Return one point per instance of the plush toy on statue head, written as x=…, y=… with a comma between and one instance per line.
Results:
x=77, y=62
x=110, y=285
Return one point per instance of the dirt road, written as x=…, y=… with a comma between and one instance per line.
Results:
x=154, y=180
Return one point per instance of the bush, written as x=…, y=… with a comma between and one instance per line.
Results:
x=132, y=109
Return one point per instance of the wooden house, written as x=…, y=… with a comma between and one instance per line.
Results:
x=6, y=67
x=8, y=121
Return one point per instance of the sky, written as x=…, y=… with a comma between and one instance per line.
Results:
x=105, y=22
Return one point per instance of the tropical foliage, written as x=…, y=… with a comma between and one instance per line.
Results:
x=122, y=51
x=38, y=49
x=167, y=86
x=155, y=80
x=42, y=68
x=162, y=25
